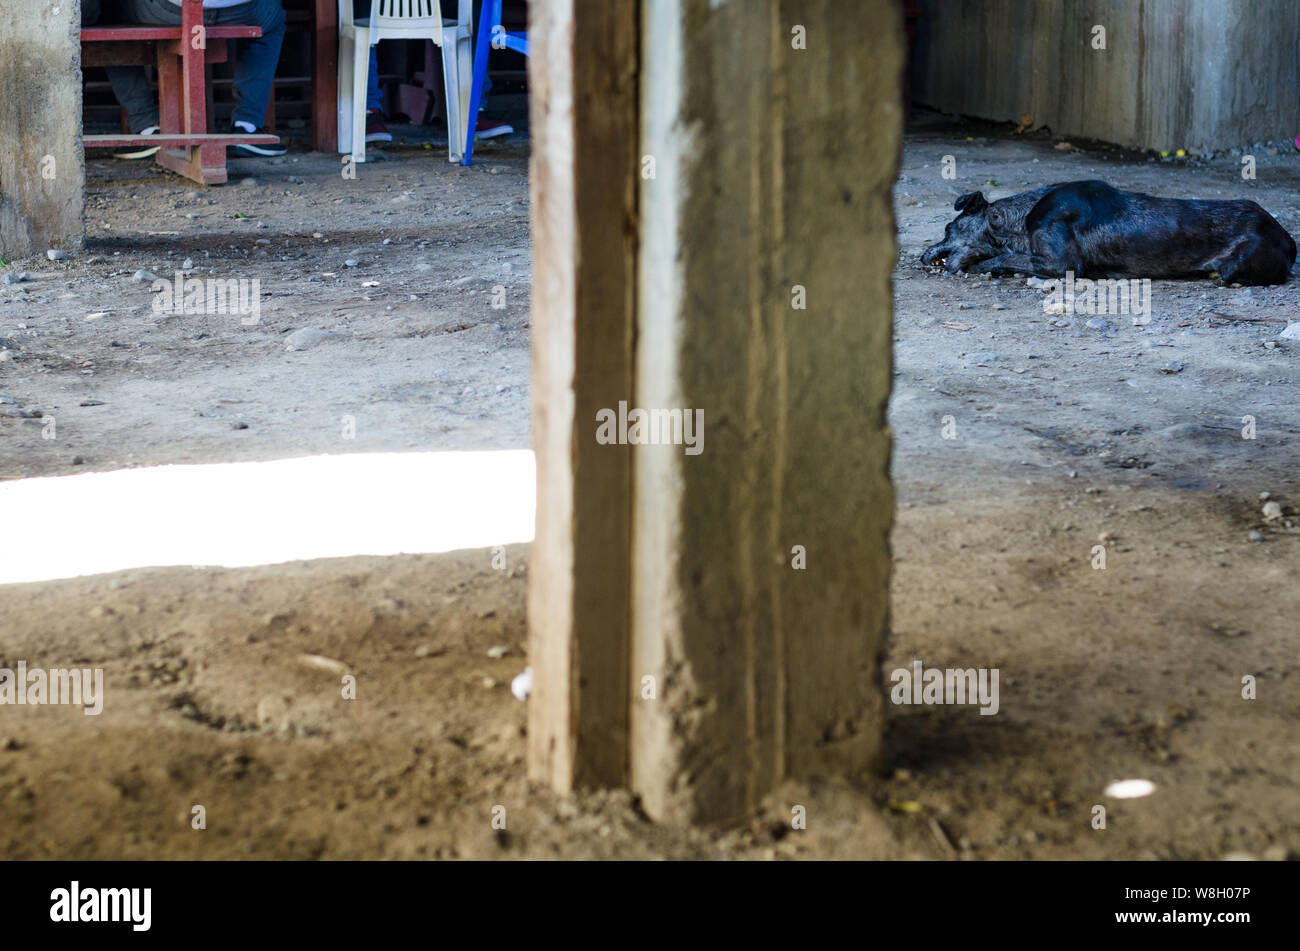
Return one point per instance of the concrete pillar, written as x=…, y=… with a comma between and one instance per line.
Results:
x=742, y=590
x=42, y=168
x=583, y=85
x=767, y=245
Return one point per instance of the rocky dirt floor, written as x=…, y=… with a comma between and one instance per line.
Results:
x=1069, y=432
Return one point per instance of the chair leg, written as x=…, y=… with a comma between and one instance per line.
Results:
x=451, y=84
x=481, y=39
x=360, y=75
x=465, y=75
x=345, y=65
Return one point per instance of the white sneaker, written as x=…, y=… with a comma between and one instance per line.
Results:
x=140, y=153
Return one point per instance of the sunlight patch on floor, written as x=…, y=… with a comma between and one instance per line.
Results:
x=256, y=513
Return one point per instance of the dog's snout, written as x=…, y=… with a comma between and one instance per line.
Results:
x=932, y=254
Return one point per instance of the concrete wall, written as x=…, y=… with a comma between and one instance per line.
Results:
x=42, y=168
x=1194, y=74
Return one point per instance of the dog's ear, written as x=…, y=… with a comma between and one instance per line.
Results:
x=971, y=203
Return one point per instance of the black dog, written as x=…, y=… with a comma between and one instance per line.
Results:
x=1098, y=231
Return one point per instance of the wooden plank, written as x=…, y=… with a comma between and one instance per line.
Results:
x=143, y=53
x=177, y=140
x=115, y=34
x=584, y=168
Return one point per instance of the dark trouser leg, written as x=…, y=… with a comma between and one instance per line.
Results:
x=131, y=83
x=255, y=60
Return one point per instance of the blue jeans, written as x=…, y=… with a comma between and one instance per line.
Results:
x=255, y=59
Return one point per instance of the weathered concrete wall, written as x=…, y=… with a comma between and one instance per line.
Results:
x=772, y=169
x=1194, y=74
x=42, y=167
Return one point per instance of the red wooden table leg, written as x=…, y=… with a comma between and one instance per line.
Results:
x=188, y=93
x=325, y=78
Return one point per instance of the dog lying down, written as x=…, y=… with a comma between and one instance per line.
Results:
x=1095, y=231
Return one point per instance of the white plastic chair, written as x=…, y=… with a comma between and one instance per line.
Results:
x=405, y=20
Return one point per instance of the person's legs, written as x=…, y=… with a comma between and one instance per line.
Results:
x=374, y=95
x=256, y=59
x=376, y=131
x=131, y=83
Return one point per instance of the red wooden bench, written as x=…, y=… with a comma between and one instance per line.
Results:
x=180, y=53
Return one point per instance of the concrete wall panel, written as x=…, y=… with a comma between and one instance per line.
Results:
x=1195, y=74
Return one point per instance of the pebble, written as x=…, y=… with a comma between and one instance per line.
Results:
x=54, y=254
x=262, y=241
x=1173, y=366
x=327, y=664
x=187, y=264
x=522, y=685
x=1272, y=511
x=306, y=338
x=1270, y=344
x=350, y=262
x=498, y=651
x=1292, y=332
x=1096, y=323
x=1256, y=536
x=999, y=306
x=15, y=278
x=141, y=277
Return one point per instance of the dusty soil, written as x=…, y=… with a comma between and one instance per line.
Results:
x=224, y=684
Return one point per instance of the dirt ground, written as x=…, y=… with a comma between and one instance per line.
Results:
x=223, y=684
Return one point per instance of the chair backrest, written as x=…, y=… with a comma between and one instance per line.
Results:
x=408, y=14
